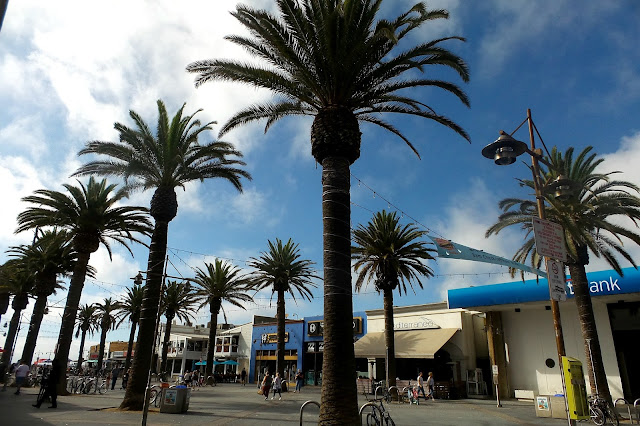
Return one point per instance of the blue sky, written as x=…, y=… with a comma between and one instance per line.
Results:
x=67, y=73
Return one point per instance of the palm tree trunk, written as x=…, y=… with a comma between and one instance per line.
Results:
x=84, y=334
x=339, y=401
x=165, y=345
x=280, y=315
x=595, y=366
x=11, y=337
x=69, y=318
x=389, y=338
x=4, y=303
x=103, y=339
x=134, y=395
x=214, y=308
x=132, y=334
x=34, y=328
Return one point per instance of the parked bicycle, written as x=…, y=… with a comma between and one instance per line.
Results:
x=155, y=395
x=379, y=416
x=601, y=412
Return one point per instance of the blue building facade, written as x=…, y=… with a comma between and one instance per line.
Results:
x=264, y=344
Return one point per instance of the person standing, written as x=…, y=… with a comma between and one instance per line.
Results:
x=243, y=377
x=420, y=380
x=277, y=387
x=51, y=389
x=21, y=374
x=125, y=378
x=114, y=376
x=266, y=385
x=299, y=380
x=430, y=385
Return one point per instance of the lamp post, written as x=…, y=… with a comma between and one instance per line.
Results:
x=504, y=151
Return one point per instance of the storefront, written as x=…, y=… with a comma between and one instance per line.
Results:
x=264, y=348
x=520, y=327
x=451, y=343
x=314, y=346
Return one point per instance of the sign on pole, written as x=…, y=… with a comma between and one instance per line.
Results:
x=549, y=238
x=556, y=277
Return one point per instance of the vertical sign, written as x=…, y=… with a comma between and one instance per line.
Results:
x=549, y=238
x=557, y=279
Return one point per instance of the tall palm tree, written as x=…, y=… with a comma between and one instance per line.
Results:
x=5, y=295
x=130, y=310
x=90, y=213
x=337, y=61
x=20, y=282
x=107, y=312
x=178, y=302
x=282, y=270
x=88, y=322
x=392, y=256
x=590, y=217
x=220, y=282
x=163, y=161
x=51, y=254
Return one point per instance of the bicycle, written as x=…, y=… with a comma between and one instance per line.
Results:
x=601, y=412
x=155, y=395
x=379, y=416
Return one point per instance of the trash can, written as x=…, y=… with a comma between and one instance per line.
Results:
x=175, y=400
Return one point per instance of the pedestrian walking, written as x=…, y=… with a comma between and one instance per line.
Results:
x=430, y=385
x=125, y=378
x=299, y=380
x=277, y=387
x=21, y=375
x=420, y=380
x=266, y=385
x=114, y=376
x=243, y=377
x=51, y=386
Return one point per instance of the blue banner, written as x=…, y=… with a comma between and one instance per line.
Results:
x=449, y=250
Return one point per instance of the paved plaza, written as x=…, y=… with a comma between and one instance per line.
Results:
x=232, y=404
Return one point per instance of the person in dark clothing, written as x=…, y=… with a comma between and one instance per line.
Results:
x=114, y=376
x=51, y=389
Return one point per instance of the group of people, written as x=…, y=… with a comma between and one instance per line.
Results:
x=429, y=383
x=274, y=384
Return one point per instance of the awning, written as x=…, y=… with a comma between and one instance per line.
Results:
x=409, y=344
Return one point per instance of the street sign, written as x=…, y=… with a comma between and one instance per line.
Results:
x=494, y=369
x=557, y=279
x=549, y=238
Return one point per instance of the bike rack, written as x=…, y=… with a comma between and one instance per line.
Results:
x=635, y=407
x=375, y=394
x=304, y=405
x=398, y=391
x=368, y=404
x=615, y=404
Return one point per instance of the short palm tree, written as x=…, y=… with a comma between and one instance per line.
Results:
x=92, y=216
x=178, y=302
x=219, y=282
x=590, y=219
x=337, y=61
x=392, y=256
x=131, y=306
x=283, y=271
x=107, y=313
x=163, y=161
x=19, y=282
x=51, y=255
x=88, y=322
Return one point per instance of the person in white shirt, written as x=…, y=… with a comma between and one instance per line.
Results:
x=21, y=375
x=277, y=387
x=421, y=385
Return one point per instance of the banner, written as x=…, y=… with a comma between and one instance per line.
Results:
x=450, y=250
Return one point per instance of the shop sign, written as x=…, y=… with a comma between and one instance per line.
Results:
x=316, y=328
x=421, y=323
x=273, y=338
x=315, y=347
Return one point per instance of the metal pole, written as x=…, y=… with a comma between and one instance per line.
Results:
x=555, y=308
x=145, y=409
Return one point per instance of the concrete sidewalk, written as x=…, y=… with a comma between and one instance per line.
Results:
x=228, y=404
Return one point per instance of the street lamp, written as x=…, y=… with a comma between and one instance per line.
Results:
x=503, y=152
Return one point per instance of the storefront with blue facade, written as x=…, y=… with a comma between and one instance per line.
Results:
x=264, y=344
x=314, y=346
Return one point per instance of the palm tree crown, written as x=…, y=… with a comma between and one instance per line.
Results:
x=323, y=56
x=221, y=281
x=178, y=301
x=585, y=216
x=88, y=320
x=390, y=254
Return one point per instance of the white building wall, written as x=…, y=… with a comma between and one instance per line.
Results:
x=530, y=340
